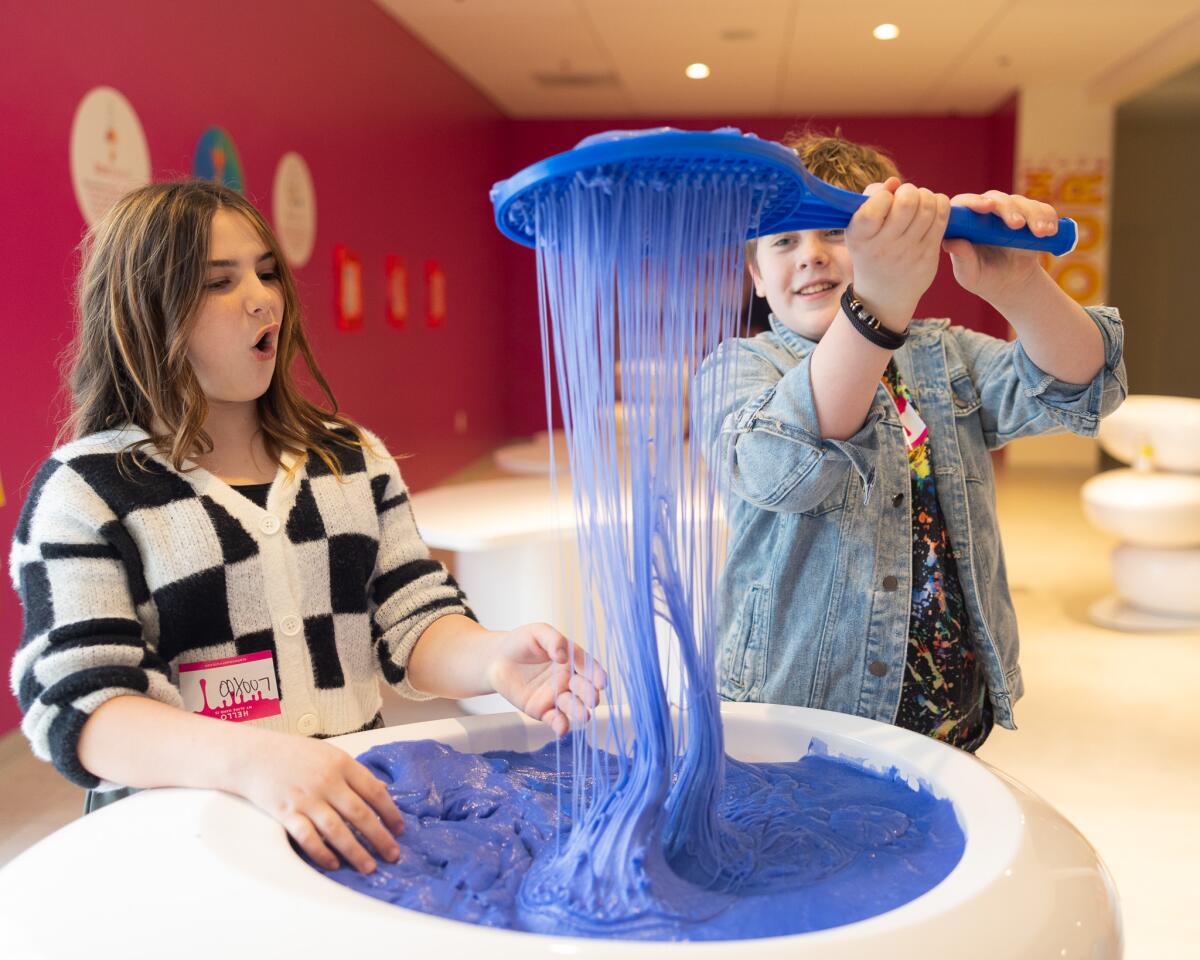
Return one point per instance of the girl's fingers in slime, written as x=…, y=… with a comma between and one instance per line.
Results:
x=556, y=721
x=335, y=832
x=553, y=642
x=302, y=830
x=375, y=792
x=589, y=667
x=355, y=811
x=575, y=710
x=584, y=689
x=544, y=694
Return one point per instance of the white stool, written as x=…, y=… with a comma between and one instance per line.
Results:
x=1155, y=509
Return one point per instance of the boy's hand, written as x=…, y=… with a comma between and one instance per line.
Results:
x=533, y=671
x=893, y=240
x=318, y=793
x=997, y=273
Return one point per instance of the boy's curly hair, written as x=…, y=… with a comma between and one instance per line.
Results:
x=836, y=160
x=845, y=164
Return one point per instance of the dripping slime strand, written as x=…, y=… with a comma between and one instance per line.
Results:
x=639, y=278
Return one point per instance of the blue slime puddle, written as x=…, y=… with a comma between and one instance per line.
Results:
x=819, y=842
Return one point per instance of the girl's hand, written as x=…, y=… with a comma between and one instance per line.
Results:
x=996, y=273
x=318, y=793
x=533, y=671
x=893, y=242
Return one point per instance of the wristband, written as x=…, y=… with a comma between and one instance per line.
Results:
x=867, y=324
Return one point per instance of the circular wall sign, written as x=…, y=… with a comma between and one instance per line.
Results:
x=216, y=158
x=294, y=209
x=109, y=156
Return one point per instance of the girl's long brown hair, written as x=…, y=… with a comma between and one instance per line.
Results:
x=139, y=289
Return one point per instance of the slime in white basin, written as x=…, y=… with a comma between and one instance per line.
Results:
x=197, y=873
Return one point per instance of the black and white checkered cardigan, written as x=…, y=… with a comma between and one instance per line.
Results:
x=122, y=578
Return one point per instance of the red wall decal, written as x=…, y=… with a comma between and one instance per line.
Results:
x=347, y=289
x=435, y=294
x=396, y=272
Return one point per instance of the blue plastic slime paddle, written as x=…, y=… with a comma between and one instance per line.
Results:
x=793, y=199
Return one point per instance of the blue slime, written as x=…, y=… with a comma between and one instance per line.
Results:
x=823, y=841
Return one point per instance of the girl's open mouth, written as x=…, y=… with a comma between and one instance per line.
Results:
x=264, y=346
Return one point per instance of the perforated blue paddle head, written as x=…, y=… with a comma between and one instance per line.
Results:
x=793, y=199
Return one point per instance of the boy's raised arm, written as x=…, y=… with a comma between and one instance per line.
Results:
x=893, y=241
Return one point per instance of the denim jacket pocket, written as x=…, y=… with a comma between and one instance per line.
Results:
x=965, y=396
x=743, y=658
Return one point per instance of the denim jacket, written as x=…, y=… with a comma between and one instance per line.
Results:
x=815, y=596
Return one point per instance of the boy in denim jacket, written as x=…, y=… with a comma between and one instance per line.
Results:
x=865, y=572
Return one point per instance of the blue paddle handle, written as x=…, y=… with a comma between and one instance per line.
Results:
x=990, y=229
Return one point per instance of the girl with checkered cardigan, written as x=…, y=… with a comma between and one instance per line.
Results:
x=212, y=546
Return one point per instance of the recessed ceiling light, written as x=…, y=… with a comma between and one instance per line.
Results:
x=697, y=71
x=886, y=31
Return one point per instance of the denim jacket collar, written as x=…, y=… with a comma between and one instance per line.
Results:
x=790, y=338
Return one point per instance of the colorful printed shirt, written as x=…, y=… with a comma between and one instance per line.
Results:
x=944, y=694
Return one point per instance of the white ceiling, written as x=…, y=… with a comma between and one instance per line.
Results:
x=798, y=57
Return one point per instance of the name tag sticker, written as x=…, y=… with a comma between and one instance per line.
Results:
x=232, y=688
x=915, y=430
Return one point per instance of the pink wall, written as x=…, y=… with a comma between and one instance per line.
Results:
x=402, y=152
x=950, y=154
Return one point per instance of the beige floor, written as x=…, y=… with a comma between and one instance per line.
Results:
x=1109, y=731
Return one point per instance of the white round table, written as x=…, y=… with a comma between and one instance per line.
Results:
x=513, y=541
x=532, y=456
